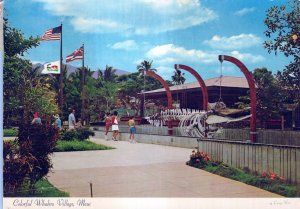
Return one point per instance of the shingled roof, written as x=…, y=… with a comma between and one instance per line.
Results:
x=227, y=81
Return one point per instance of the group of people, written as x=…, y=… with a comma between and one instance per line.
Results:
x=58, y=123
x=38, y=121
x=112, y=121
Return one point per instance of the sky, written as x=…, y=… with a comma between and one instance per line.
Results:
x=123, y=33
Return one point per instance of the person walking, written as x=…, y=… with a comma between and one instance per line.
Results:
x=57, y=122
x=115, y=126
x=108, y=124
x=132, y=130
x=72, y=120
x=36, y=119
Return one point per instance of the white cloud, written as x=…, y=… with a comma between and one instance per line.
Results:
x=245, y=11
x=247, y=57
x=137, y=17
x=167, y=55
x=233, y=42
x=87, y=25
x=125, y=45
x=170, y=54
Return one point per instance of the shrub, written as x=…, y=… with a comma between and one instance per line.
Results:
x=69, y=135
x=227, y=171
x=37, y=142
x=84, y=133
x=15, y=169
x=77, y=134
x=198, y=159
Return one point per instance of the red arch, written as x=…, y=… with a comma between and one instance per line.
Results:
x=165, y=85
x=200, y=81
x=252, y=88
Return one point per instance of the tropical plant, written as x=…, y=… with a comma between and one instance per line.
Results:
x=268, y=95
x=178, y=79
x=109, y=74
x=25, y=89
x=142, y=68
x=283, y=32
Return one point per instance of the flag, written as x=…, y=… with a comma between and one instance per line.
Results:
x=52, y=34
x=51, y=68
x=76, y=55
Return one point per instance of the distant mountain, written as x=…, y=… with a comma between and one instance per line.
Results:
x=72, y=69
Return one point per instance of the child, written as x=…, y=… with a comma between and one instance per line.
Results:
x=132, y=130
x=107, y=124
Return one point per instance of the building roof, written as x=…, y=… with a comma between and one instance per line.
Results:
x=226, y=81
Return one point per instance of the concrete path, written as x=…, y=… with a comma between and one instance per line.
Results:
x=141, y=170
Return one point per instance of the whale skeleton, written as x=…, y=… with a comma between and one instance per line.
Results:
x=192, y=122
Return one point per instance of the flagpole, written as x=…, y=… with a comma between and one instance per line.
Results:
x=61, y=75
x=82, y=88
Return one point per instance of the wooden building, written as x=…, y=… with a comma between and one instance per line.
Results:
x=189, y=95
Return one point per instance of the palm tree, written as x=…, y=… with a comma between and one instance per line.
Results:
x=178, y=79
x=143, y=68
x=109, y=74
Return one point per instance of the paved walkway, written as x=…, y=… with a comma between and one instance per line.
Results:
x=141, y=170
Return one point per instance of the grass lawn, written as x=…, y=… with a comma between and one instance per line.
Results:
x=10, y=132
x=75, y=145
x=43, y=189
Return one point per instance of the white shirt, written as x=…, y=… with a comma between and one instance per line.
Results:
x=72, y=121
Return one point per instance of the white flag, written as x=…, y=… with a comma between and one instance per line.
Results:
x=51, y=68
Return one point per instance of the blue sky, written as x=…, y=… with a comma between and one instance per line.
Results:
x=123, y=33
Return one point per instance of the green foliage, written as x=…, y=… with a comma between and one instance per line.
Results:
x=178, y=77
x=10, y=132
x=14, y=41
x=84, y=133
x=77, y=134
x=269, y=96
x=283, y=32
x=25, y=89
x=68, y=135
x=37, y=142
x=15, y=168
x=75, y=145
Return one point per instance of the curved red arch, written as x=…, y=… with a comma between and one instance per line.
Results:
x=251, y=83
x=200, y=81
x=165, y=85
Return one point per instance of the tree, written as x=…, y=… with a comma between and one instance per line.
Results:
x=143, y=68
x=109, y=93
x=178, y=79
x=269, y=96
x=25, y=90
x=109, y=74
x=283, y=26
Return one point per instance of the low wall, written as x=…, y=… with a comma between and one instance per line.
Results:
x=264, y=136
x=282, y=159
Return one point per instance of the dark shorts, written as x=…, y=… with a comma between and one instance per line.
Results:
x=132, y=130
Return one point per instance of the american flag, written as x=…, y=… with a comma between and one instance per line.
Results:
x=76, y=55
x=52, y=34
